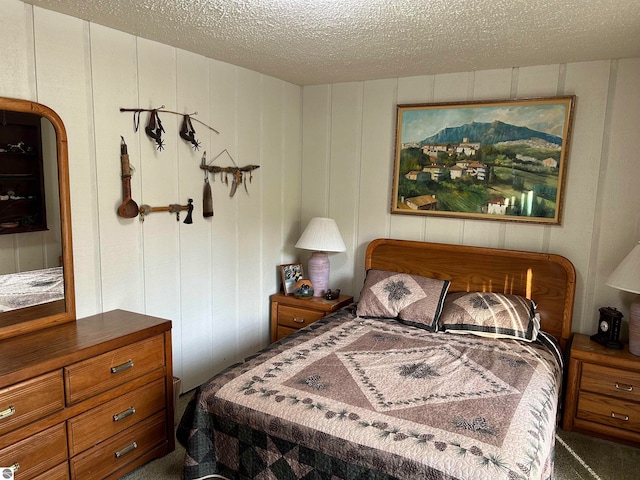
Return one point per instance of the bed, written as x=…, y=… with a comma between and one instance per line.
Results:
x=429, y=390
x=31, y=288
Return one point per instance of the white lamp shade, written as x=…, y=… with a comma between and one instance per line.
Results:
x=322, y=235
x=627, y=275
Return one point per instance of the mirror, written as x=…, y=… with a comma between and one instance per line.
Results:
x=35, y=238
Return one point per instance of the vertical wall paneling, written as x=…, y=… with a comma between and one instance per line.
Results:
x=376, y=167
x=250, y=220
x=316, y=154
x=192, y=335
x=113, y=62
x=17, y=75
x=316, y=145
x=17, y=78
x=224, y=244
x=290, y=171
x=159, y=174
x=620, y=197
x=64, y=84
x=271, y=161
x=346, y=157
x=574, y=238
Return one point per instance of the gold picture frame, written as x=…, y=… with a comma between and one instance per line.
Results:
x=488, y=160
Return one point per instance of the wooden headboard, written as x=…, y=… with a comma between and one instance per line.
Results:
x=547, y=279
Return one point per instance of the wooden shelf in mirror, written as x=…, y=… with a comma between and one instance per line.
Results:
x=22, y=186
x=42, y=157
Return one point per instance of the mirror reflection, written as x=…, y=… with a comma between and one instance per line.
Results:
x=35, y=240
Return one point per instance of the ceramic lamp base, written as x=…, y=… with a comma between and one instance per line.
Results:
x=634, y=327
x=319, y=273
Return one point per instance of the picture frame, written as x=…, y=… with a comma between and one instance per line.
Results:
x=291, y=274
x=500, y=160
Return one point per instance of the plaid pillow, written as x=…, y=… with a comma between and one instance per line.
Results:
x=489, y=314
x=412, y=299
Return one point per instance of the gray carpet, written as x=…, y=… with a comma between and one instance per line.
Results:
x=578, y=457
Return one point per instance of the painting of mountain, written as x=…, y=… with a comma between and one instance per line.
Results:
x=491, y=160
x=489, y=134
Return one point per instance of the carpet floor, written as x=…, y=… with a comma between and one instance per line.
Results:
x=578, y=457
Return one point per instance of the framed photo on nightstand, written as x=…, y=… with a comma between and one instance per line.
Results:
x=291, y=273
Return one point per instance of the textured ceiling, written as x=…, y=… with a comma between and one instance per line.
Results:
x=325, y=41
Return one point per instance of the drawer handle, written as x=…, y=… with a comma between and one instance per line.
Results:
x=617, y=416
x=626, y=388
x=121, y=368
x=298, y=320
x=7, y=413
x=128, y=449
x=122, y=415
x=15, y=467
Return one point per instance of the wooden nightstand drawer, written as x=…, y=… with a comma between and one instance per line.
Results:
x=618, y=383
x=295, y=317
x=31, y=400
x=92, y=427
x=101, y=373
x=120, y=450
x=602, y=392
x=289, y=314
x=36, y=454
x=609, y=411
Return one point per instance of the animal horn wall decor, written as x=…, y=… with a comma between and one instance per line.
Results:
x=237, y=173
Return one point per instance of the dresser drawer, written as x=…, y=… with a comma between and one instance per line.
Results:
x=36, y=454
x=61, y=472
x=297, y=317
x=608, y=411
x=30, y=400
x=120, y=450
x=610, y=381
x=91, y=427
x=98, y=374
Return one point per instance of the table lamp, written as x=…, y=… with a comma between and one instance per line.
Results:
x=627, y=277
x=321, y=236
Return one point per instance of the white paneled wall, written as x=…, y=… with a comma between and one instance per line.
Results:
x=324, y=150
x=348, y=134
x=211, y=278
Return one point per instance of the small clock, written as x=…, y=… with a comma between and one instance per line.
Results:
x=609, y=328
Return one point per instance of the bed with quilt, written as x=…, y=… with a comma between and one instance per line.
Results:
x=448, y=367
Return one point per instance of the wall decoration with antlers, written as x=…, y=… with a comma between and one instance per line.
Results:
x=237, y=173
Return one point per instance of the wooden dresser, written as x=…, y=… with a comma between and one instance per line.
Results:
x=289, y=314
x=89, y=399
x=603, y=392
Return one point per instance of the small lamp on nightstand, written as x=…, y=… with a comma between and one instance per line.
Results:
x=321, y=236
x=627, y=277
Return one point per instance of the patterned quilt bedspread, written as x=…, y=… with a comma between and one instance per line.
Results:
x=358, y=398
x=26, y=289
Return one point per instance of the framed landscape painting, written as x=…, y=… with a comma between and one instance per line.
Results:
x=492, y=160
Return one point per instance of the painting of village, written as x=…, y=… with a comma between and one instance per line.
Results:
x=498, y=160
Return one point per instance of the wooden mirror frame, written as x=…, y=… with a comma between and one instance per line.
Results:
x=35, y=318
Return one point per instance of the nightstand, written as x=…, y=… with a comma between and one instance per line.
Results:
x=289, y=314
x=603, y=392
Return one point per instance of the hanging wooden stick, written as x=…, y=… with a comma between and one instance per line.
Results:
x=236, y=172
x=137, y=111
